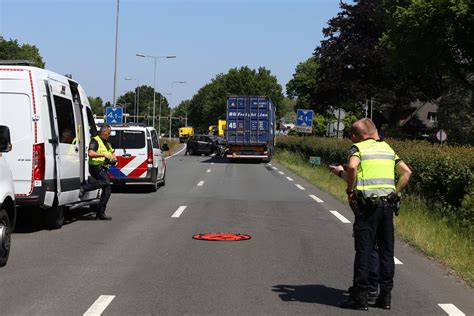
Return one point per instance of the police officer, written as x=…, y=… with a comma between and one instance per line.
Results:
x=100, y=157
x=371, y=186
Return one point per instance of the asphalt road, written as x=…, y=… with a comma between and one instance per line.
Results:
x=145, y=261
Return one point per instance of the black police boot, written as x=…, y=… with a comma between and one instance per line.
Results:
x=372, y=297
x=384, y=300
x=102, y=216
x=356, y=300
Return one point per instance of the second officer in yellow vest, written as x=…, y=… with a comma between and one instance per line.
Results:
x=372, y=194
x=100, y=157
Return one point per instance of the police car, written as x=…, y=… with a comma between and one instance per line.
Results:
x=139, y=156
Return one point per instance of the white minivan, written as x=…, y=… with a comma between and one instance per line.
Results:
x=51, y=124
x=139, y=156
x=7, y=197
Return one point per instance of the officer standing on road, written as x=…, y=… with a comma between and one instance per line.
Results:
x=371, y=171
x=100, y=157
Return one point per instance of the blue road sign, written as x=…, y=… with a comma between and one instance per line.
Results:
x=113, y=115
x=304, y=120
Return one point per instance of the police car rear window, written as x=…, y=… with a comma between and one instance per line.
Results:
x=127, y=139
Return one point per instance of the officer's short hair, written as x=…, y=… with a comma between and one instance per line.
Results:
x=105, y=127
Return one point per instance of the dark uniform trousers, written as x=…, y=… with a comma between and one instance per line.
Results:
x=375, y=226
x=102, y=181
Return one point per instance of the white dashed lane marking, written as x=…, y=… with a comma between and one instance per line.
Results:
x=299, y=186
x=99, y=305
x=179, y=211
x=314, y=197
x=212, y=163
x=340, y=217
x=208, y=170
x=290, y=179
x=281, y=172
x=274, y=168
x=200, y=184
x=451, y=310
x=397, y=261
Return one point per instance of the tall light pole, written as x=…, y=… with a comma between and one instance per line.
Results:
x=137, y=99
x=154, y=80
x=116, y=50
x=172, y=84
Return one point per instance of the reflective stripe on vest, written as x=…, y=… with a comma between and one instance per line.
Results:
x=376, y=172
x=100, y=161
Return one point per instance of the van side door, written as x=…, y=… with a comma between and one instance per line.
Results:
x=70, y=135
x=157, y=154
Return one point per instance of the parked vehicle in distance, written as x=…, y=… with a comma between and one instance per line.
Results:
x=185, y=133
x=250, y=127
x=139, y=156
x=51, y=124
x=204, y=144
x=7, y=198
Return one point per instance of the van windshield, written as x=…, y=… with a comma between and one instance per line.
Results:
x=127, y=139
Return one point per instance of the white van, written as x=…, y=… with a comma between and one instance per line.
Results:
x=139, y=156
x=7, y=198
x=51, y=124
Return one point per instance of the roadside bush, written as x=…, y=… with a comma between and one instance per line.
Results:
x=443, y=175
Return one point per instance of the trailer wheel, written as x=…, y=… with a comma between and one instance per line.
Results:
x=54, y=216
x=5, y=237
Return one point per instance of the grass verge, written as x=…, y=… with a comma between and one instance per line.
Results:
x=416, y=225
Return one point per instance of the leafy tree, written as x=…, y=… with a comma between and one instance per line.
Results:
x=303, y=84
x=97, y=105
x=433, y=40
x=145, y=105
x=10, y=50
x=209, y=104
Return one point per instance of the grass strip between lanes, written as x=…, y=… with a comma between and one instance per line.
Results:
x=416, y=225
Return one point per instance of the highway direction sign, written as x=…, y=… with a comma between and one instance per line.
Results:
x=304, y=121
x=113, y=115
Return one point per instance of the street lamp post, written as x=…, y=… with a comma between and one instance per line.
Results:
x=137, y=98
x=154, y=79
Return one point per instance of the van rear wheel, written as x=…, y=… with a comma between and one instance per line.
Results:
x=5, y=237
x=54, y=216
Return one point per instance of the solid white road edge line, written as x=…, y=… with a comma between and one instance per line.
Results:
x=99, y=305
x=179, y=211
x=340, y=217
x=176, y=153
x=314, y=197
x=299, y=186
x=200, y=184
x=281, y=172
x=451, y=310
x=290, y=179
x=397, y=261
x=208, y=170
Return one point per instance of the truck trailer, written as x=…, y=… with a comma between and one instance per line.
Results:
x=250, y=127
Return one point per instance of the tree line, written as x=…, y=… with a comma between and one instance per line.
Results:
x=394, y=52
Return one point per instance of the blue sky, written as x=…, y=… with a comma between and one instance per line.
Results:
x=207, y=36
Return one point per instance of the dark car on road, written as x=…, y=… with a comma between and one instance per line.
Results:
x=205, y=144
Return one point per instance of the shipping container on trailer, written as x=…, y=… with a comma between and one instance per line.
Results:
x=250, y=127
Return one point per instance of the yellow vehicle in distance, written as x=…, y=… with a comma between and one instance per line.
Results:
x=222, y=124
x=185, y=133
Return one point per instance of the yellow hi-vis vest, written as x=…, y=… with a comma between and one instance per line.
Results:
x=376, y=171
x=100, y=161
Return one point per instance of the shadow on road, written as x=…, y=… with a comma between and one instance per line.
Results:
x=132, y=188
x=30, y=220
x=233, y=161
x=312, y=293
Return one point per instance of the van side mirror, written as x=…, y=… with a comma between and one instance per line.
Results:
x=5, y=142
x=165, y=147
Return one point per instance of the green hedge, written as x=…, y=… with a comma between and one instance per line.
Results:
x=443, y=175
